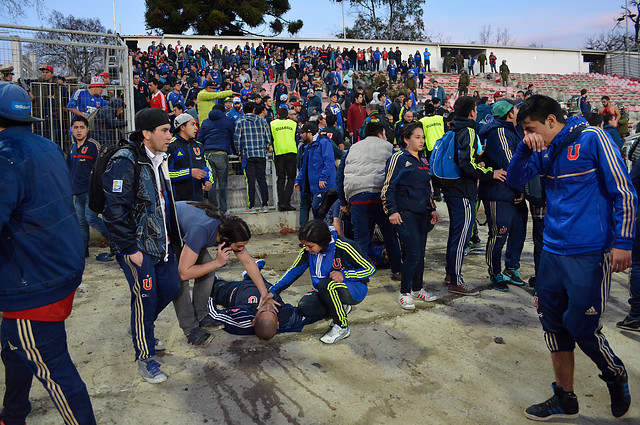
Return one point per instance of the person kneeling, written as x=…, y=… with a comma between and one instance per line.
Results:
x=339, y=273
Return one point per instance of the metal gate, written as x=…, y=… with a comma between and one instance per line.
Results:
x=75, y=57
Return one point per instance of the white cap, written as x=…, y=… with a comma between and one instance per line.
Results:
x=182, y=119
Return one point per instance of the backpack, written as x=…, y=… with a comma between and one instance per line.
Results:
x=443, y=165
x=97, y=199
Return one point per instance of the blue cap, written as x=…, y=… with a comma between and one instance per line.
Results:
x=15, y=103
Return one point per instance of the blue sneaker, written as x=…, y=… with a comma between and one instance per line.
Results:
x=512, y=276
x=498, y=283
x=260, y=263
x=149, y=369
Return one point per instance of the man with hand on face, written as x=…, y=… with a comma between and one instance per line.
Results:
x=187, y=166
x=141, y=217
x=589, y=231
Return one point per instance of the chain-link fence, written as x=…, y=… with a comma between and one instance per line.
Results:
x=623, y=64
x=56, y=66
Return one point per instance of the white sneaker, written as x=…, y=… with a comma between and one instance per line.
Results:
x=424, y=295
x=406, y=301
x=335, y=334
x=264, y=209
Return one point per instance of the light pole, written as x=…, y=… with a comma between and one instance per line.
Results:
x=344, y=28
x=114, y=17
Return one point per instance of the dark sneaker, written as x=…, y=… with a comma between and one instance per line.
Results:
x=629, y=324
x=512, y=276
x=199, y=337
x=560, y=405
x=447, y=280
x=210, y=324
x=620, y=394
x=396, y=276
x=498, y=283
x=463, y=289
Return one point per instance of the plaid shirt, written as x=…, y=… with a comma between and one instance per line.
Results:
x=252, y=136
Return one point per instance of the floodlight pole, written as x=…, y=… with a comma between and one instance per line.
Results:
x=114, y=17
x=344, y=28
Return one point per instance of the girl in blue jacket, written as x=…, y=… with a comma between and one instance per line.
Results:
x=339, y=274
x=408, y=201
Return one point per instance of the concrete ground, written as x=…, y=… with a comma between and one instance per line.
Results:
x=438, y=365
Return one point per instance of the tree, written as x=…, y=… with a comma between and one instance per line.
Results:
x=72, y=60
x=16, y=8
x=501, y=36
x=219, y=17
x=386, y=20
x=485, y=36
x=615, y=39
x=608, y=41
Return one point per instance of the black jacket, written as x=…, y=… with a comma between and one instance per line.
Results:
x=465, y=156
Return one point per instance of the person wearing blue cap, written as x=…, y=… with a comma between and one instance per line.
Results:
x=504, y=205
x=38, y=281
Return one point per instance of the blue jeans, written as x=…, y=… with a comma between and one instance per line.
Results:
x=413, y=237
x=305, y=207
x=154, y=284
x=219, y=166
x=87, y=217
x=366, y=212
x=40, y=348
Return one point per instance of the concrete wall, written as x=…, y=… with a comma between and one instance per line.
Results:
x=519, y=59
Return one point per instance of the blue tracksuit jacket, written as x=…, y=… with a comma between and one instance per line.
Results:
x=591, y=203
x=502, y=139
x=342, y=255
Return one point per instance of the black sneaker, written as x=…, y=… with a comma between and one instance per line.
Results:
x=620, y=394
x=560, y=405
x=498, y=283
x=199, y=337
x=397, y=276
x=512, y=276
x=629, y=324
x=211, y=324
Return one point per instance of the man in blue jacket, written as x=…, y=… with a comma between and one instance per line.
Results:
x=589, y=230
x=216, y=134
x=505, y=206
x=318, y=172
x=38, y=281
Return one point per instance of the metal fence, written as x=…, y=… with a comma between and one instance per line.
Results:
x=237, y=198
x=75, y=57
x=623, y=64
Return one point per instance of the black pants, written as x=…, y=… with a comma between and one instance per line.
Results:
x=255, y=170
x=286, y=172
x=327, y=301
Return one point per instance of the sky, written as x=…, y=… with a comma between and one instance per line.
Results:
x=551, y=23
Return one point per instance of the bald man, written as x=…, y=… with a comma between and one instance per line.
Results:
x=243, y=314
